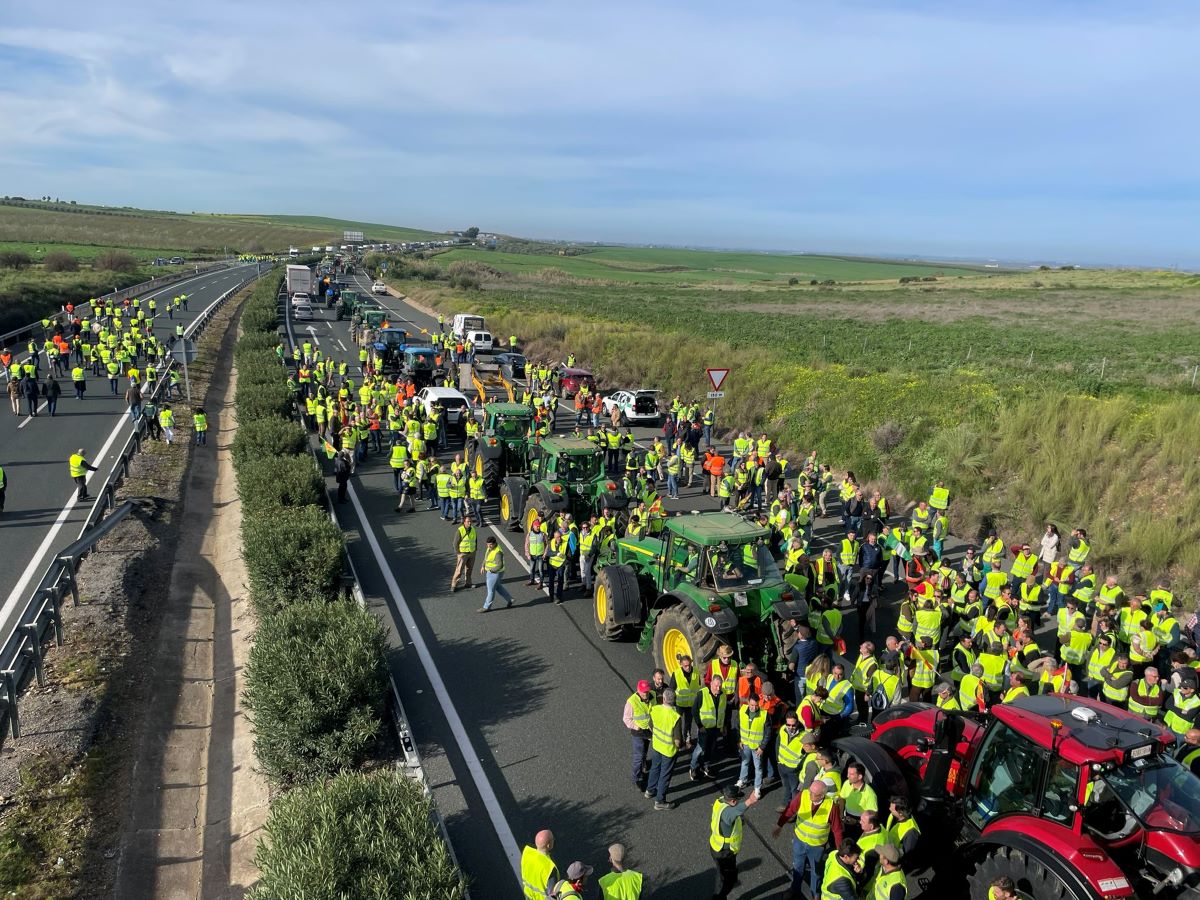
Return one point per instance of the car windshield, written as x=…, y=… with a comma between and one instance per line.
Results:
x=578, y=468
x=393, y=337
x=736, y=567
x=1161, y=793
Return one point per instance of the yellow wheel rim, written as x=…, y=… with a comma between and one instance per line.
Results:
x=478, y=463
x=504, y=507
x=601, y=604
x=530, y=518
x=674, y=643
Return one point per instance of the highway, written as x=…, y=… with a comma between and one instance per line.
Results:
x=518, y=712
x=41, y=514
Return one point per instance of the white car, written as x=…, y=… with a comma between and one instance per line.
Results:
x=302, y=311
x=640, y=407
x=453, y=403
x=379, y=288
x=300, y=297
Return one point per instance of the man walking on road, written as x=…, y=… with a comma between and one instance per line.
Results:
x=51, y=391
x=539, y=874
x=621, y=883
x=636, y=717
x=493, y=575
x=464, y=546
x=666, y=739
x=79, y=467
x=29, y=389
x=725, y=835
x=166, y=420
x=133, y=396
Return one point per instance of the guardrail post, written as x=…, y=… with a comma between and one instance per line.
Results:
x=68, y=566
x=10, y=699
x=35, y=649
x=53, y=605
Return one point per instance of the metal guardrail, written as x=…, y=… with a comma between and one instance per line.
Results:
x=412, y=764
x=33, y=329
x=23, y=649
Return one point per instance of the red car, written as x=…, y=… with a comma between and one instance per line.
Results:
x=570, y=380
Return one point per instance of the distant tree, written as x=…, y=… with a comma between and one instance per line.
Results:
x=1043, y=268
x=472, y=232
x=14, y=259
x=793, y=280
x=1066, y=268
x=116, y=261
x=60, y=261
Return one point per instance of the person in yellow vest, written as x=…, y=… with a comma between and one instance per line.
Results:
x=539, y=874
x=200, y=425
x=166, y=420
x=78, y=466
x=1182, y=708
x=493, y=575
x=1117, y=681
x=890, y=883
x=1075, y=649
x=812, y=811
x=1146, y=695
x=725, y=835
x=571, y=887
x=1016, y=688
x=1188, y=753
x=666, y=737
x=753, y=725
x=686, y=681
x=1003, y=888
x=711, y=709
x=465, y=537
x=838, y=882
x=636, y=718
x=621, y=883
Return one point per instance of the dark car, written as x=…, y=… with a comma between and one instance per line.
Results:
x=571, y=379
x=512, y=363
x=177, y=260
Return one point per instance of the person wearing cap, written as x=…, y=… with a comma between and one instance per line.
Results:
x=665, y=741
x=636, y=717
x=711, y=713
x=812, y=811
x=1188, y=753
x=725, y=835
x=539, y=874
x=838, y=882
x=572, y=886
x=621, y=883
x=890, y=883
x=1182, y=707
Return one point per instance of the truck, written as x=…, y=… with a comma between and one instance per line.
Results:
x=1071, y=798
x=299, y=280
x=488, y=380
x=565, y=474
x=501, y=448
x=464, y=322
x=707, y=579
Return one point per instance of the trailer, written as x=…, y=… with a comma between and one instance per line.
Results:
x=488, y=380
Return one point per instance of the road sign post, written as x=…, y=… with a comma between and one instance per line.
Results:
x=716, y=377
x=183, y=353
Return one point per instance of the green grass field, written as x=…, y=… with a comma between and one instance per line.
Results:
x=678, y=266
x=85, y=253
x=170, y=233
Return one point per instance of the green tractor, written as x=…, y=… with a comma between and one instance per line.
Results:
x=566, y=474
x=502, y=447
x=708, y=579
x=347, y=304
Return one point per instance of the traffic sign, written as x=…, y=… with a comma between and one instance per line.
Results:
x=715, y=395
x=184, y=351
x=716, y=377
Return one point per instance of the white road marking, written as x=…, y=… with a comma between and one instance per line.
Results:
x=478, y=776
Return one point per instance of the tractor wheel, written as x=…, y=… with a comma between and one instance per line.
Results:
x=493, y=473
x=535, y=509
x=510, y=507
x=1033, y=880
x=677, y=632
x=615, y=586
x=478, y=462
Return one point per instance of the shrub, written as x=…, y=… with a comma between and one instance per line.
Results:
x=368, y=836
x=260, y=400
x=887, y=436
x=267, y=438
x=115, y=261
x=793, y=280
x=14, y=259
x=293, y=555
x=316, y=684
x=265, y=483
x=60, y=261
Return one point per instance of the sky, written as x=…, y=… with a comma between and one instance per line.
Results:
x=1019, y=130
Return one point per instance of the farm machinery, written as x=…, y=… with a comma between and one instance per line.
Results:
x=502, y=447
x=565, y=474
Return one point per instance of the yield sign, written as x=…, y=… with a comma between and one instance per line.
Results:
x=716, y=377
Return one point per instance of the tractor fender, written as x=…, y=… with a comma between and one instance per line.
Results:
x=887, y=775
x=785, y=610
x=486, y=450
x=723, y=621
x=554, y=502
x=614, y=499
x=1061, y=852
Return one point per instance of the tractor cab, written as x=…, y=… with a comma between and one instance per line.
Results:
x=570, y=465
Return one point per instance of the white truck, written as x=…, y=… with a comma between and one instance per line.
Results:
x=299, y=280
x=464, y=322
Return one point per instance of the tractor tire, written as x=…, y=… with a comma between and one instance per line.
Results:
x=493, y=474
x=615, y=585
x=510, y=506
x=678, y=631
x=1033, y=880
x=477, y=462
x=535, y=508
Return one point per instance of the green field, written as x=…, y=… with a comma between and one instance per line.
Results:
x=678, y=266
x=170, y=233
x=85, y=253
x=1038, y=396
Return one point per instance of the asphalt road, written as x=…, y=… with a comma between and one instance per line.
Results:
x=41, y=515
x=517, y=713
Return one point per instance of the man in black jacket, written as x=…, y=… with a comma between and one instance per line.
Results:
x=51, y=391
x=29, y=390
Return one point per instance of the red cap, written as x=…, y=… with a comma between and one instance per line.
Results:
x=643, y=686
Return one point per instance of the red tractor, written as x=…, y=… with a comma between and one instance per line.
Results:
x=1071, y=798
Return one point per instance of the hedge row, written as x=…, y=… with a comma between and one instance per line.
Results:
x=316, y=677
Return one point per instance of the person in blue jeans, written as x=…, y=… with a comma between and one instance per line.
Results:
x=752, y=732
x=493, y=573
x=811, y=810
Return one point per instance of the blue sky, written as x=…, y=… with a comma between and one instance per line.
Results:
x=1061, y=131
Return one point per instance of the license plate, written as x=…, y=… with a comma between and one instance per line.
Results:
x=740, y=599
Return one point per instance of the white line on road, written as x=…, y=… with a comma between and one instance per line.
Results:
x=29, y=419
x=343, y=346
x=486, y=792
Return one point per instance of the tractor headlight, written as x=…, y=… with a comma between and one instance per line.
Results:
x=1175, y=877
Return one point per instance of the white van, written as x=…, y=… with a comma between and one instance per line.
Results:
x=481, y=341
x=464, y=322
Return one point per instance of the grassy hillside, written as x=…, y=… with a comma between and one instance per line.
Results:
x=1047, y=396
x=677, y=266
x=170, y=232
